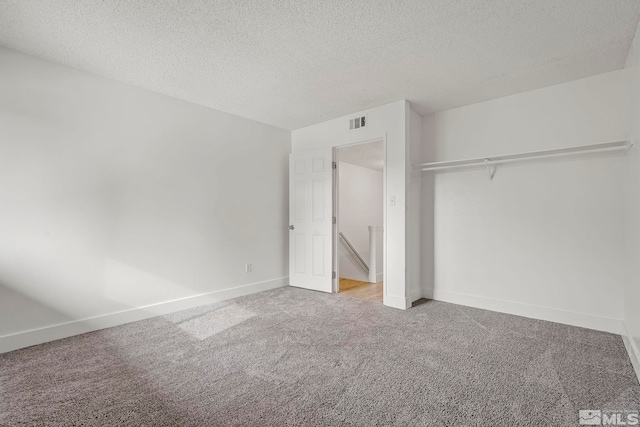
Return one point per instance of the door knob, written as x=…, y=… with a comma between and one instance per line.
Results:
x=291, y=227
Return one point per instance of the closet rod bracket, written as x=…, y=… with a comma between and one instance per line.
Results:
x=629, y=146
x=491, y=168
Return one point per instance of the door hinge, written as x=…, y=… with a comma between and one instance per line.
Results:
x=334, y=165
x=333, y=274
x=334, y=219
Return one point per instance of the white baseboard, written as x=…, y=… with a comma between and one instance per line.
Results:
x=63, y=330
x=582, y=320
x=396, y=302
x=632, y=348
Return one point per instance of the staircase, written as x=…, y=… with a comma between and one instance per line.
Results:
x=369, y=263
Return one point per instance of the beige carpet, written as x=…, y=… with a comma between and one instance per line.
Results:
x=291, y=357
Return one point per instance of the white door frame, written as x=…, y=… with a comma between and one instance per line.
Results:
x=336, y=226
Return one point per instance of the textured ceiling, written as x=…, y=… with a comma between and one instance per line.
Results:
x=369, y=155
x=298, y=62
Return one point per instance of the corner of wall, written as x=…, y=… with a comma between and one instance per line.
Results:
x=415, y=285
x=631, y=224
x=633, y=349
x=427, y=209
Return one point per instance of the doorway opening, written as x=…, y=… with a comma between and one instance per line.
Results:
x=359, y=201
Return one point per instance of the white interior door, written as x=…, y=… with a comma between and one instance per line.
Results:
x=311, y=219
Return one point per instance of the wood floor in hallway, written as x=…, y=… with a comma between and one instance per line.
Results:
x=361, y=290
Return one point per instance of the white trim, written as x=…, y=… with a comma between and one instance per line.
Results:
x=396, y=302
x=379, y=277
x=63, y=330
x=632, y=349
x=582, y=320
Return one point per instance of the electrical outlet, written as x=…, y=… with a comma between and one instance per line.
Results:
x=247, y=268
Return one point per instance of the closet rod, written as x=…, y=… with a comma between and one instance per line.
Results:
x=623, y=146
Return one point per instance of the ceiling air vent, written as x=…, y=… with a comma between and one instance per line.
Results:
x=358, y=123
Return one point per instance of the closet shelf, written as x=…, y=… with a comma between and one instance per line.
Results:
x=618, y=147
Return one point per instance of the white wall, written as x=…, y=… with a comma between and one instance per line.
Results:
x=632, y=213
x=113, y=197
x=543, y=240
x=388, y=122
x=360, y=205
